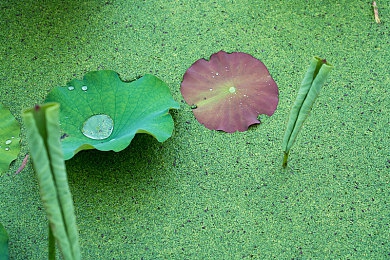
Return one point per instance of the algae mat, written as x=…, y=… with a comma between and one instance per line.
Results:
x=204, y=194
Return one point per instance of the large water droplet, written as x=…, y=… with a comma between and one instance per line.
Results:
x=98, y=127
x=8, y=141
x=71, y=88
x=232, y=89
x=84, y=88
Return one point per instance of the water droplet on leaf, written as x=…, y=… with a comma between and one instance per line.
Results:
x=8, y=141
x=71, y=88
x=84, y=88
x=232, y=89
x=98, y=127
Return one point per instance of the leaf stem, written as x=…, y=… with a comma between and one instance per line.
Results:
x=52, y=245
x=285, y=159
x=376, y=13
x=22, y=165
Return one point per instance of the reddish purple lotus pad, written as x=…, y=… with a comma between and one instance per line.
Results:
x=229, y=91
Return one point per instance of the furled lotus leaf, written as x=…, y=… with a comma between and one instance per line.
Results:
x=9, y=138
x=229, y=91
x=102, y=112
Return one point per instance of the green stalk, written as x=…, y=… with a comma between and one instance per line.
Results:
x=314, y=79
x=43, y=135
x=52, y=245
x=285, y=159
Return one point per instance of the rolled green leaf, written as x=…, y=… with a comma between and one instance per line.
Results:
x=314, y=79
x=43, y=135
x=3, y=243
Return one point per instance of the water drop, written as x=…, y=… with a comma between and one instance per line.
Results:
x=98, y=127
x=7, y=148
x=71, y=88
x=232, y=89
x=216, y=73
x=8, y=142
x=84, y=88
x=211, y=89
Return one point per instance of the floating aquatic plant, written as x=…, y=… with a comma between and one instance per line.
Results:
x=3, y=243
x=9, y=138
x=315, y=77
x=229, y=91
x=43, y=136
x=103, y=112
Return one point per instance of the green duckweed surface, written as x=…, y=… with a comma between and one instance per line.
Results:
x=205, y=194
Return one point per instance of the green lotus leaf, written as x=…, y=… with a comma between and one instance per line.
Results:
x=102, y=112
x=9, y=138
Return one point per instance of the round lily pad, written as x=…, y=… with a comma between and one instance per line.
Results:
x=229, y=91
x=9, y=138
x=103, y=112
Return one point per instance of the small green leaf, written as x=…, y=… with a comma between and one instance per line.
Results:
x=3, y=243
x=9, y=138
x=102, y=112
